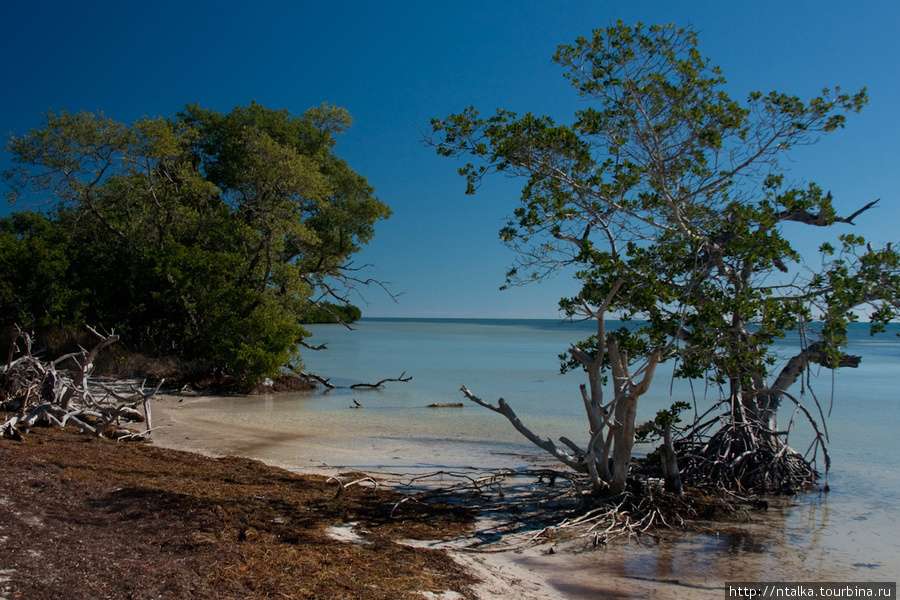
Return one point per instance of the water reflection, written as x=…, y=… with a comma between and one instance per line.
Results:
x=795, y=542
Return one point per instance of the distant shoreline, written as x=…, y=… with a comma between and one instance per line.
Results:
x=891, y=328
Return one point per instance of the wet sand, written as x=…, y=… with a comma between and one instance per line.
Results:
x=678, y=564
x=313, y=441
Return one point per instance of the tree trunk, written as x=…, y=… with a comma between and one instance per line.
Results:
x=626, y=412
x=671, y=474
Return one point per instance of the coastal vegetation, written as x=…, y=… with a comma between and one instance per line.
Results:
x=203, y=236
x=329, y=312
x=668, y=200
x=214, y=238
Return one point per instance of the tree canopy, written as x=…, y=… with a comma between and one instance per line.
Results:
x=670, y=200
x=205, y=235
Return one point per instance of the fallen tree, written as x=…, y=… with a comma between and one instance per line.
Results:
x=46, y=391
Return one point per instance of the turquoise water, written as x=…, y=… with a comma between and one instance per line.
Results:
x=849, y=534
x=517, y=360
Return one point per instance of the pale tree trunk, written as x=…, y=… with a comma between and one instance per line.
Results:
x=628, y=392
x=607, y=456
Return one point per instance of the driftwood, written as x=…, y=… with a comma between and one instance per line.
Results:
x=342, y=486
x=381, y=383
x=356, y=386
x=42, y=391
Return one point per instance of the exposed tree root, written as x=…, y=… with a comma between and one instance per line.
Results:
x=745, y=458
x=524, y=508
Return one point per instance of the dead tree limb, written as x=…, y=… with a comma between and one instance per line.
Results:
x=138, y=396
x=311, y=347
x=547, y=444
x=318, y=378
x=343, y=486
x=44, y=391
x=81, y=377
x=381, y=383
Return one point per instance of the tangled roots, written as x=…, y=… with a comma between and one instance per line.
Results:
x=745, y=458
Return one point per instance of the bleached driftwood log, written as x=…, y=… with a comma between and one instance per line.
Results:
x=36, y=390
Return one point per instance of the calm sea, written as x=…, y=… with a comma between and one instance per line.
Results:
x=849, y=534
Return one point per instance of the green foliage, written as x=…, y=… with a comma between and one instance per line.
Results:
x=33, y=268
x=328, y=312
x=668, y=192
x=664, y=418
x=202, y=235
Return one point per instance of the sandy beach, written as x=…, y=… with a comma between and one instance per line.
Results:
x=676, y=564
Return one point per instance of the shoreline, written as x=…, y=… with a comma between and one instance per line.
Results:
x=317, y=443
x=699, y=565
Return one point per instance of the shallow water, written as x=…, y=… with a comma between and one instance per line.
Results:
x=850, y=534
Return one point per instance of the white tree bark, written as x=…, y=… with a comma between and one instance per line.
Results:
x=62, y=398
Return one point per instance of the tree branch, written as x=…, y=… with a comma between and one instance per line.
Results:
x=820, y=219
x=381, y=383
x=546, y=444
x=816, y=352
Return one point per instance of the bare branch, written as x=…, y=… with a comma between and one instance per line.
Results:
x=311, y=347
x=61, y=398
x=318, y=378
x=506, y=410
x=381, y=383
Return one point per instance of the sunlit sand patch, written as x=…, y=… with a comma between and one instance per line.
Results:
x=347, y=532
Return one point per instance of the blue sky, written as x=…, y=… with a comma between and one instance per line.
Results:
x=396, y=65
